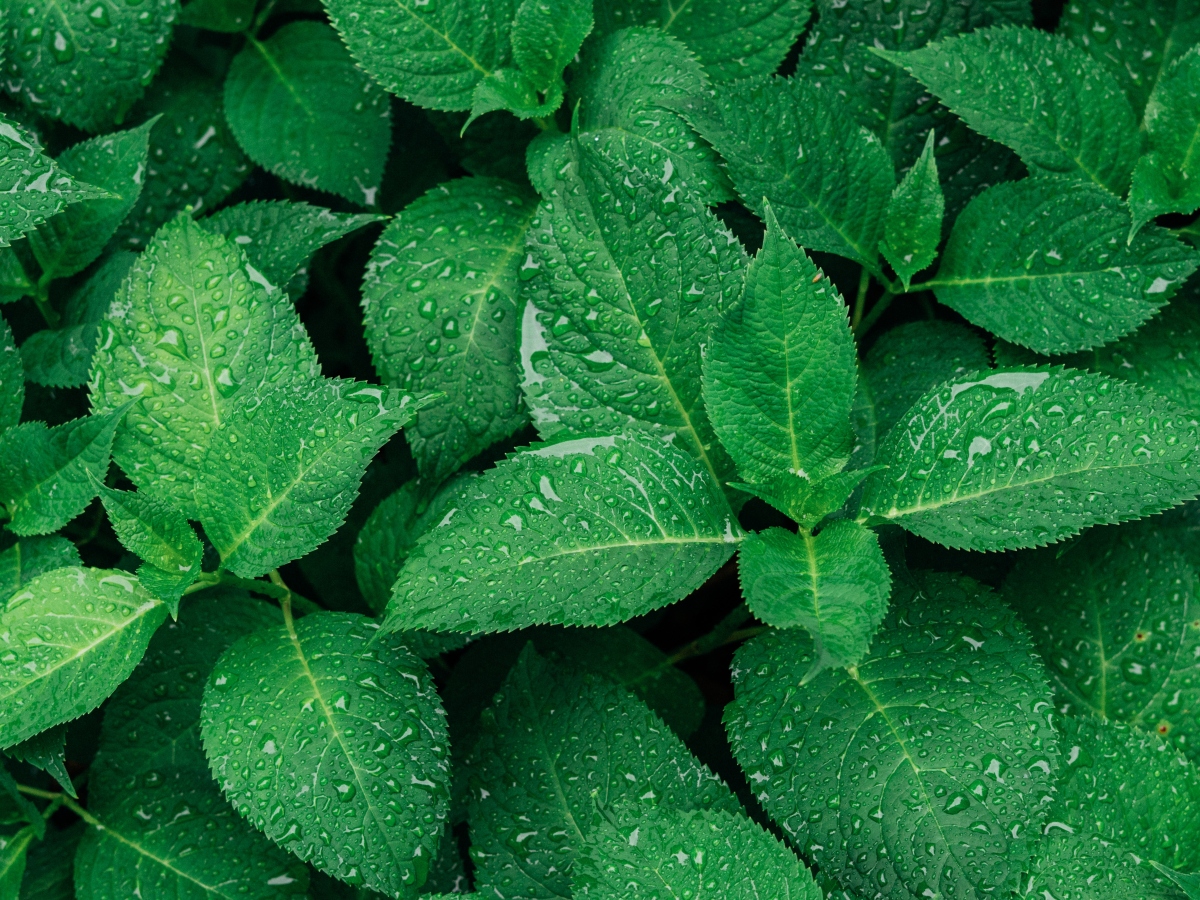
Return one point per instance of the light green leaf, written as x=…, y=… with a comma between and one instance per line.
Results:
x=13, y=849
x=634, y=273
x=546, y=36
x=586, y=531
x=50, y=865
x=229, y=16
x=165, y=830
x=555, y=744
x=1114, y=617
x=1058, y=108
x=834, y=585
x=913, y=228
x=74, y=635
x=48, y=476
x=12, y=379
x=31, y=557
x=46, y=751
x=88, y=63
x=1086, y=867
x=70, y=241
x=351, y=719
x=688, y=854
x=1167, y=178
x=155, y=531
x=935, y=752
x=1026, y=457
x=788, y=142
x=190, y=315
x=302, y=110
x=440, y=314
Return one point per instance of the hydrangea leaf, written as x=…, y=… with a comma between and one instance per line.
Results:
x=13, y=850
x=190, y=315
x=15, y=282
x=349, y=715
x=835, y=585
x=1025, y=457
x=50, y=865
x=164, y=830
x=31, y=557
x=12, y=379
x=229, y=16
x=807, y=502
x=1086, y=867
x=913, y=228
x=1167, y=179
x=546, y=36
x=920, y=770
x=157, y=533
x=1041, y=95
x=780, y=371
x=46, y=751
x=285, y=466
x=48, y=476
x=788, y=142
x=634, y=273
x=1114, y=618
x=1189, y=884
x=75, y=634
x=586, y=531
x=302, y=110
x=440, y=314
x=555, y=744
x=88, y=62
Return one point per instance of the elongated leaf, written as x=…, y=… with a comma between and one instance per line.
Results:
x=780, y=374
x=46, y=751
x=13, y=849
x=934, y=753
x=555, y=744
x=834, y=585
x=189, y=316
x=31, y=557
x=1058, y=108
x=302, y=110
x=356, y=742
x=827, y=179
x=285, y=467
x=914, y=218
x=12, y=379
x=1167, y=179
x=48, y=476
x=1026, y=457
x=586, y=531
x=73, y=635
x=440, y=311
x=634, y=274
x=1113, y=618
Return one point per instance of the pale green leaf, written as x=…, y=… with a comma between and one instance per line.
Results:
x=780, y=370
x=1026, y=457
x=1167, y=178
x=913, y=228
x=302, y=110
x=48, y=476
x=46, y=751
x=155, y=531
x=13, y=849
x=74, y=635
x=355, y=742
x=586, y=531
x=546, y=35
x=12, y=379
x=31, y=557
x=924, y=768
x=632, y=272
x=440, y=314
x=557, y=743
x=834, y=585
x=189, y=316
x=1041, y=95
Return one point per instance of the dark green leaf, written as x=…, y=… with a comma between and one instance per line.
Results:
x=12, y=379
x=230, y=16
x=50, y=865
x=46, y=751
x=914, y=218
x=1167, y=179
x=31, y=557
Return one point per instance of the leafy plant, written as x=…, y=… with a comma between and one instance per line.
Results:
x=600, y=448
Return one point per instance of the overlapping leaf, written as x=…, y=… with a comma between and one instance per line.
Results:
x=159, y=534
x=31, y=557
x=1167, y=179
x=914, y=218
x=12, y=379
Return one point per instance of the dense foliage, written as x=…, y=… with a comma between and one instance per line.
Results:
x=662, y=449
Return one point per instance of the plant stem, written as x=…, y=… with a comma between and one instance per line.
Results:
x=285, y=602
x=276, y=590
x=860, y=301
x=719, y=636
x=62, y=799
x=869, y=320
x=41, y=296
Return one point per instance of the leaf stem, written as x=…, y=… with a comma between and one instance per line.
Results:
x=860, y=301
x=869, y=320
x=724, y=633
x=62, y=800
x=276, y=590
x=41, y=296
x=285, y=602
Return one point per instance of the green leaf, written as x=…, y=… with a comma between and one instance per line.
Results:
x=1167, y=178
x=1189, y=884
x=229, y=16
x=555, y=743
x=834, y=585
x=189, y=314
x=440, y=314
x=546, y=36
x=22, y=808
x=909, y=360
x=75, y=634
x=165, y=830
x=731, y=40
x=50, y=865
x=48, y=476
x=634, y=273
x=1086, y=867
x=631, y=89
x=157, y=533
x=14, y=280
x=350, y=717
x=46, y=751
x=807, y=502
x=12, y=379
x=72, y=240
x=509, y=89
x=13, y=849
x=303, y=111
x=586, y=531
x=279, y=237
x=913, y=228
x=935, y=752
x=1026, y=457
x=35, y=188
x=1058, y=108
x=285, y=466
x=31, y=557
x=780, y=372
x=788, y=142
x=1113, y=616
x=89, y=62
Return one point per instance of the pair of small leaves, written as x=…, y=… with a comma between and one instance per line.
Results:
x=159, y=534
